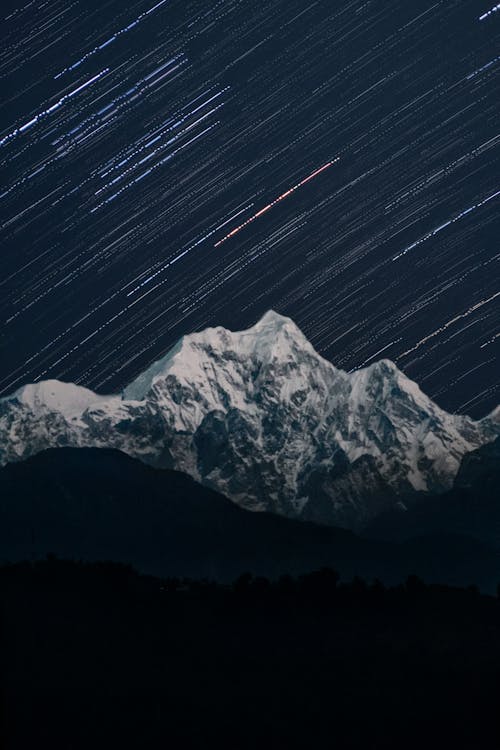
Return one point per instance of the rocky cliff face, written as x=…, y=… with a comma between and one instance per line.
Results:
x=265, y=420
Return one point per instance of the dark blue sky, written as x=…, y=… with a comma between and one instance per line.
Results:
x=136, y=136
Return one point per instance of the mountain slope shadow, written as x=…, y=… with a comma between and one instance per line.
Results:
x=471, y=507
x=99, y=504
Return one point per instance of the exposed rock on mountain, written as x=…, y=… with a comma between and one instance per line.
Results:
x=260, y=416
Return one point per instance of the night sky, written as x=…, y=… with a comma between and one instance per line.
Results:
x=195, y=162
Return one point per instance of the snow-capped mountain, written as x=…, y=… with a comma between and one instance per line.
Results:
x=260, y=416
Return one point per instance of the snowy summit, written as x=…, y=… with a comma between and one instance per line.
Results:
x=260, y=416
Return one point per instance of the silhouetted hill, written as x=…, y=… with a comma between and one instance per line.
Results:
x=471, y=508
x=101, y=504
x=95, y=656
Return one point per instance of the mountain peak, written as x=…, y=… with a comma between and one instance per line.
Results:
x=383, y=382
x=274, y=319
x=259, y=415
x=273, y=337
x=385, y=365
x=67, y=398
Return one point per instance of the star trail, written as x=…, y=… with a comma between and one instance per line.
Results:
x=273, y=203
x=169, y=166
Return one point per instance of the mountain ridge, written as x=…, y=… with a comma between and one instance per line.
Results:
x=262, y=418
x=470, y=507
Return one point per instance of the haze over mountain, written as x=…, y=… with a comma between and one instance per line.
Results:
x=261, y=417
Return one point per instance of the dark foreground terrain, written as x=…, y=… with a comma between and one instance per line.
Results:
x=93, y=504
x=97, y=656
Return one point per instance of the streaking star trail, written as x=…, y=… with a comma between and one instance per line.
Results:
x=273, y=203
x=136, y=134
x=41, y=115
x=490, y=12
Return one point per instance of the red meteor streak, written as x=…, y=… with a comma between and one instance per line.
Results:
x=274, y=202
